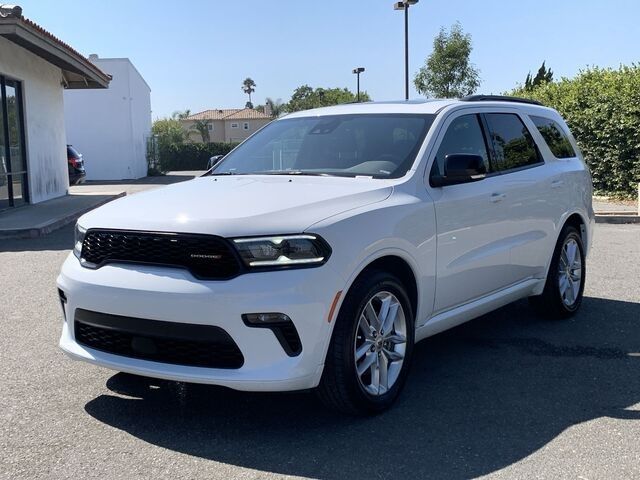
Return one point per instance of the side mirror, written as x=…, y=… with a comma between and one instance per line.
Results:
x=213, y=161
x=460, y=168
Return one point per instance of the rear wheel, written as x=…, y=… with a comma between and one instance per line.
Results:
x=371, y=347
x=562, y=294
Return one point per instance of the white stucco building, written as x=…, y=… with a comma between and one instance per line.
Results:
x=35, y=68
x=111, y=127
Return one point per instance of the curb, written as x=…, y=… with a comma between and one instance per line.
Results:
x=617, y=217
x=53, y=224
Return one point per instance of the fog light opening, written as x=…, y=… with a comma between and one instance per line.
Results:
x=63, y=303
x=281, y=326
x=265, y=319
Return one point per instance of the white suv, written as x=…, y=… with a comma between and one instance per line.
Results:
x=318, y=252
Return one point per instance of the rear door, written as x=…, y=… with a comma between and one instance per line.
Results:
x=528, y=193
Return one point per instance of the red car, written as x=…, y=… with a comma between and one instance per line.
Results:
x=77, y=173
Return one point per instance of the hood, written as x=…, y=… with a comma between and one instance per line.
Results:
x=232, y=206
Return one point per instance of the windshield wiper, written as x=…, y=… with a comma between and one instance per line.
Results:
x=297, y=172
x=214, y=174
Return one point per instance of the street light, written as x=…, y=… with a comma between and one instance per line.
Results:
x=358, y=71
x=404, y=5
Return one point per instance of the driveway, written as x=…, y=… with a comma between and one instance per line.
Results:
x=508, y=395
x=135, y=186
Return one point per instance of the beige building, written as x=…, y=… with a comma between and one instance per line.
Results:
x=227, y=125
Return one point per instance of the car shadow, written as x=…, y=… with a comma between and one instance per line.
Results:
x=479, y=398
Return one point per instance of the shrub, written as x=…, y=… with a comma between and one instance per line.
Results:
x=602, y=109
x=190, y=156
x=167, y=131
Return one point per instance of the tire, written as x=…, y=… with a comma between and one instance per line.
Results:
x=555, y=301
x=341, y=387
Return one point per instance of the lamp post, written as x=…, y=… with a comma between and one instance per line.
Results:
x=358, y=71
x=404, y=5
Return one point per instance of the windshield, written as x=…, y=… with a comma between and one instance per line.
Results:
x=379, y=146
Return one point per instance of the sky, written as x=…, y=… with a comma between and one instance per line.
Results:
x=195, y=54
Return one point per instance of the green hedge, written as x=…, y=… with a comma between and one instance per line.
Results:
x=190, y=156
x=602, y=108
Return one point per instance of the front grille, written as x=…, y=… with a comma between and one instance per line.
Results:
x=158, y=341
x=206, y=256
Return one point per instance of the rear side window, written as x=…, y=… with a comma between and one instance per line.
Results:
x=464, y=135
x=556, y=139
x=513, y=145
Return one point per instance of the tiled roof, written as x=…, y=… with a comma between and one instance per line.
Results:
x=65, y=46
x=229, y=114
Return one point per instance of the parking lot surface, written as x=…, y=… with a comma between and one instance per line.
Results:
x=508, y=395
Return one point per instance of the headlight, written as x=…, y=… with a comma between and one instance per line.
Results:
x=78, y=239
x=283, y=251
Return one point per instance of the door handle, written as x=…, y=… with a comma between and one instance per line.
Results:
x=497, y=197
x=557, y=183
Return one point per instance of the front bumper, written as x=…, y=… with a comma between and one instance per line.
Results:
x=174, y=295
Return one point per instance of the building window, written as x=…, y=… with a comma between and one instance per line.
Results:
x=234, y=125
x=13, y=164
x=210, y=127
x=245, y=126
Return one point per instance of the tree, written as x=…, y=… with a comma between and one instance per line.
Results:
x=448, y=71
x=181, y=115
x=600, y=105
x=248, y=87
x=168, y=131
x=274, y=107
x=305, y=97
x=201, y=127
x=544, y=75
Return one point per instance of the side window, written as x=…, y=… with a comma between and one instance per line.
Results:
x=464, y=135
x=513, y=145
x=556, y=139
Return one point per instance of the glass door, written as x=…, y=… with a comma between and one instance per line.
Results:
x=4, y=178
x=13, y=165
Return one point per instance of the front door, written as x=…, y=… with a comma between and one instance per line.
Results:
x=472, y=222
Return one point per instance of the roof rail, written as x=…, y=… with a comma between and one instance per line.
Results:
x=498, y=98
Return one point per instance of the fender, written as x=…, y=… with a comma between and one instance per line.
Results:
x=364, y=263
x=561, y=223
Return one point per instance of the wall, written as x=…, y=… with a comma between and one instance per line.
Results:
x=215, y=135
x=222, y=131
x=44, y=120
x=237, y=135
x=110, y=127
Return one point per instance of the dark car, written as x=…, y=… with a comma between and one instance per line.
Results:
x=77, y=173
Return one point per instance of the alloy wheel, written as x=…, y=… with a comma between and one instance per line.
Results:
x=570, y=272
x=380, y=343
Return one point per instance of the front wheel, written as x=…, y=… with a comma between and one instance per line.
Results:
x=562, y=294
x=371, y=347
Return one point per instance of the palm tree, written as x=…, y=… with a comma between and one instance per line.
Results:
x=248, y=87
x=276, y=107
x=201, y=127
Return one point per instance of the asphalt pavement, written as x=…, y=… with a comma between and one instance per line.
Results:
x=508, y=395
